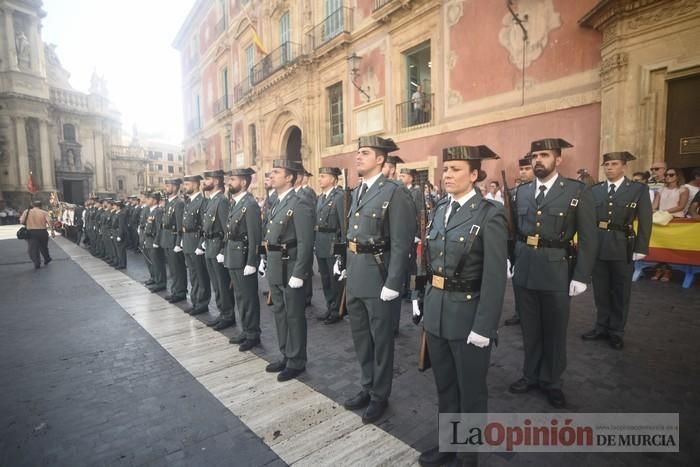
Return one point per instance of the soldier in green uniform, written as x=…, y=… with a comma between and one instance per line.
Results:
x=303, y=189
x=192, y=239
x=548, y=271
x=100, y=232
x=171, y=241
x=525, y=175
x=143, y=219
x=379, y=243
x=288, y=240
x=619, y=201
x=467, y=245
x=121, y=231
x=243, y=238
x=330, y=230
x=270, y=198
x=153, y=249
x=408, y=176
x=389, y=167
x=213, y=228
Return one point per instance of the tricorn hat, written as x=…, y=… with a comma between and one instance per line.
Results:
x=218, y=173
x=173, y=181
x=192, y=178
x=465, y=153
x=525, y=161
x=294, y=166
x=618, y=156
x=385, y=144
x=548, y=144
x=330, y=171
x=241, y=171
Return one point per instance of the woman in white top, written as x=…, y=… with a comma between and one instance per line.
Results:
x=673, y=197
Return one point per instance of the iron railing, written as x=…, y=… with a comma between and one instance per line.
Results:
x=335, y=24
x=416, y=113
x=283, y=56
x=242, y=89
x=222, y=104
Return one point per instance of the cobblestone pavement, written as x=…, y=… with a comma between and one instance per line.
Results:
x=83, y=384
x=656, y=372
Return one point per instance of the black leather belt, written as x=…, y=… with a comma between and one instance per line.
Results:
x=186, y=230
x=280, y=247
x=209, y=236
x=368, y=248
x=535, y=241
x=455, y=285
x=325, y=229
x=605, y=225
x=238, y=239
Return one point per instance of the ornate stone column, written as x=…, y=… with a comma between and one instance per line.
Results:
x=47, y=166
x=10, y=38
x=22, y=153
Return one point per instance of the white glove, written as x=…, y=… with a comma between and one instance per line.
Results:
x=262, y=267
x=220, y=258
x=248, y=270
x=478, y=340
x=119, y=239
x=155, y=245
x=416, y=308
x=177, y=249
x=388, y=295
x=638, y=256
x=138, y=230
x=336, y=267
x=295, y=282
x=416, y=240
x=343, y=275
x=508, y=269
x=576, y=288
x=204, y=247
x=199, y=252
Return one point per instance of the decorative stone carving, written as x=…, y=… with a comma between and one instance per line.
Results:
x=677, y=8
x=451, y=60
x=22, y=45
x=454, y=98
x=614, y=68
x=454, y=11
x=540, y=20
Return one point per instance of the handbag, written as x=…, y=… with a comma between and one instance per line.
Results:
x=23, y=233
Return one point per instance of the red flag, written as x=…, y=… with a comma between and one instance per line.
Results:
x=31, y=186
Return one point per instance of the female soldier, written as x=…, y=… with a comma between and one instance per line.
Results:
x=466, y=254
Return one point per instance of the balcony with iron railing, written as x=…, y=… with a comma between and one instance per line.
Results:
x=416, y=113
x=242, y=89
x=283, y=56
x=69, y=99
x=222, y=104
x=337, y=24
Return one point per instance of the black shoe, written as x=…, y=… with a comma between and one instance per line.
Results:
x=239, y=339
x=248, y=344
x=594, y=335
x=289, y=373
x=332, y=319
x=149, y=282
x=156, y=289
x=521, y=386
x=435, y=458
x=512, y=321
x=176, y=299
x=187, y=311
x=323, y=317
x=198, y=311
x=556, y=398
x=213, y=322
x=46, y=262
x=119, y=268
x=37, y=265
x=223, y=324
x=276, y=367
x=616, y=342
x=358, y=401
x=374, y=411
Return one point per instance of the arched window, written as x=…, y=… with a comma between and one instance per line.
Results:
x=68, y=132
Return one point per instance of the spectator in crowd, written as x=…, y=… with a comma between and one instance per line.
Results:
x=657, y=180
x=643, y=177
x=494, y=192
x=693, y=187
x=418, y=104
x=585, y=177
x=672, y=198
x=38, y=222
x=694, y=209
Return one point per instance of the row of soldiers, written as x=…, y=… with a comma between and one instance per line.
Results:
x=365, y=243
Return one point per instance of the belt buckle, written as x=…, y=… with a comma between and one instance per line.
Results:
x=533, y=241
x=438, y=282
x=352, y=246
x=603, y=225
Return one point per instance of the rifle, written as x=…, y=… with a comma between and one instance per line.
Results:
x=509, y=218
x=340, y=249
x=419, y=281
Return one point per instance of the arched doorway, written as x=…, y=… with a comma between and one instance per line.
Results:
x=293, y=147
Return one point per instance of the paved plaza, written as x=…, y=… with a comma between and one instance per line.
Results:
x=97, y=371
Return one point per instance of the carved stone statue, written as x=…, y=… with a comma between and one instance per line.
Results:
x=22, y=45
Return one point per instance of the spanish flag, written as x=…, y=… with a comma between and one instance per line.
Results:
x=31, y=186
x=256, y=38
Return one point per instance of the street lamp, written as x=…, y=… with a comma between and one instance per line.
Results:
x=354, y=61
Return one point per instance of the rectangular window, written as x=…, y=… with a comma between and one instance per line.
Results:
x=197, y=112
x=417, y=106
x=334, y=18
x=121, y=184
x=171, y=169
x=179, y=157
x=158, y=154
x=160, y=167
x=170, y=156
x=181, y=170
x=335, y=114
x=253, y=144
x=250, y=62
x=285, y=36
x=160, y=179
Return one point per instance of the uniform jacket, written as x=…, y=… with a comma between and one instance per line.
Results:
x=298, y=228
x=122, y=224
x=452, y=315
x=192, y=216
x=548, y=268
x=620, y=210
x=214, y=224
x=153, y=226
x=171, y=233
x=330, y=214
x=243, y=234
x=398, y=227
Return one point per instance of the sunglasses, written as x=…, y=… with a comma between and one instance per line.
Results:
x=670, y=174
x=657, y=168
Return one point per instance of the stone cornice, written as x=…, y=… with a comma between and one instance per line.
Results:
x=642, y=12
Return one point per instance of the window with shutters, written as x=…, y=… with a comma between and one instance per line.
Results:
x=335, y=114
